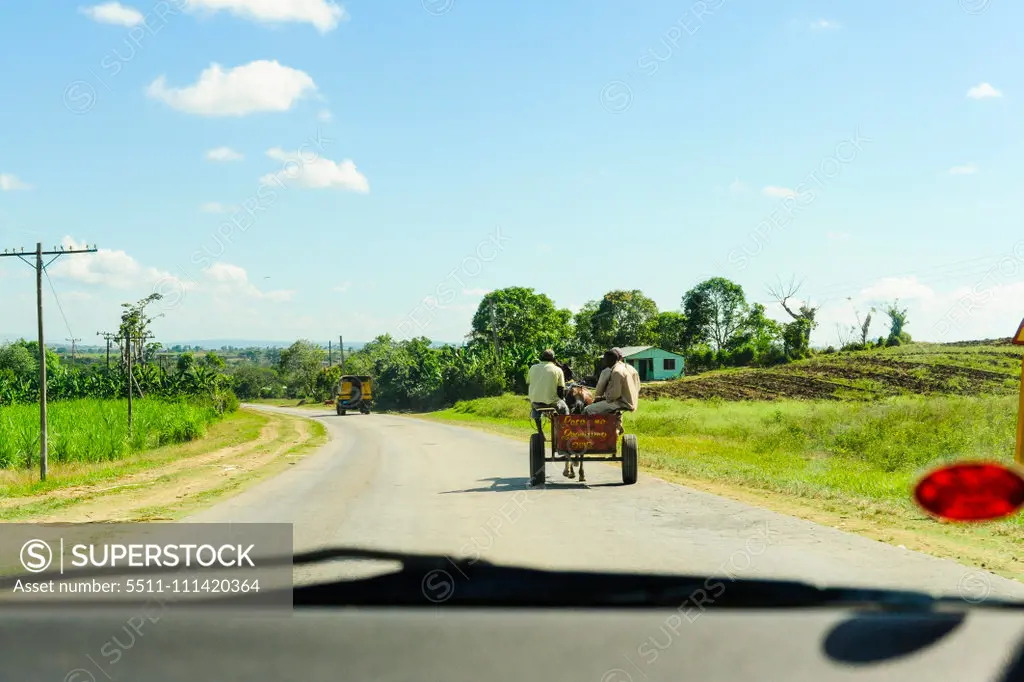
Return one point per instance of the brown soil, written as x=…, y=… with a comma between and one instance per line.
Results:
x=850, y=376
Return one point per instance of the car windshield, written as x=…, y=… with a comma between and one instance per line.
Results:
x=694, y=288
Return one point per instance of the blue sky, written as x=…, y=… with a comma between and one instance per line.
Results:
x=646, y=144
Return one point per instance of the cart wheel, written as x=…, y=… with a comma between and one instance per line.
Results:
x=337, y=408
x=341, y=412
x=537, y=459
x=630, y=456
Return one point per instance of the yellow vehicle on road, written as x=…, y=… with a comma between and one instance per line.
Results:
x=355, y=392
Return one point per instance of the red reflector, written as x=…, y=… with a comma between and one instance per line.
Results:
x=971, y=491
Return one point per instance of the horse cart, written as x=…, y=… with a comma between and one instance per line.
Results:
x=579, y=438
x=355, y=392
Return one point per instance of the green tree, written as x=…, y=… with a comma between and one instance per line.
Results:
x=19, y=360
x=299, y=365
x=186, y=361
x=715, y=310
x=624, y=318
x=897, y=321
x=135, y=325
x=213, y=361
x=520, y=315
x=670, y=331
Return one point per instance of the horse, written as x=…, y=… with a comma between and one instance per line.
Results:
x=577, y=397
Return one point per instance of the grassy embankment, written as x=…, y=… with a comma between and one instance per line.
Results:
x=848, y=456
x=177, y=458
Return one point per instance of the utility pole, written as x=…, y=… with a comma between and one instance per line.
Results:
x=73, y=342
x=330, y=356
x=133, y=385
x=131, y=380
x=39, y=268
x=341, y=347
x=109, y=337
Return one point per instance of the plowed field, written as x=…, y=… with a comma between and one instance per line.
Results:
x=965, y=368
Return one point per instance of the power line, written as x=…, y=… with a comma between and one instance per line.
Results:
x=40, y=269
x=59, y=306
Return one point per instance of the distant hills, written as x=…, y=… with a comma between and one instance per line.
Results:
x=217, y=344
x=205, y=344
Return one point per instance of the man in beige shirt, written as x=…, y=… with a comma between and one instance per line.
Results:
x=546, y=383
x=618, y=388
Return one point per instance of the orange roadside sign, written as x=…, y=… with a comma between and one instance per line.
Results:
x=1018, y=339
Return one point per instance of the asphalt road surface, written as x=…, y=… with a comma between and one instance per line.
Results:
x=404, y=484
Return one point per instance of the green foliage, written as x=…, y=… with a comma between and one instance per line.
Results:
x=795, y=337
x=18, y=360
x=624, y=318
x=522, y=316
x=251, y=382
x=715, y=310
x=299, y=365
x=670, y=332
x=897, y=321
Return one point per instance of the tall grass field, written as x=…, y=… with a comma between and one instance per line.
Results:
x=92, y=430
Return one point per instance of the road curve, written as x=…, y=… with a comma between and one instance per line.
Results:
x=405, y=484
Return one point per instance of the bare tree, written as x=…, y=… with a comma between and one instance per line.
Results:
x=863, y=327
x=783, y=294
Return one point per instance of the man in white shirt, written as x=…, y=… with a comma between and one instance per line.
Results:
x=546, y=383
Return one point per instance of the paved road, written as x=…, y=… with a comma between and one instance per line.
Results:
x=398, y=483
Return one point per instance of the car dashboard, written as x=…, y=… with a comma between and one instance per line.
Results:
x=451, y=644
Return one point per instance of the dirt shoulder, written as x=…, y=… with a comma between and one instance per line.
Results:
x=168, y=483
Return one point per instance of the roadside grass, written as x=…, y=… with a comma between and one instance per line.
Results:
x=265, y=443
x=849, y=464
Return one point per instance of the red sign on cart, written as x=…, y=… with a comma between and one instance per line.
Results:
x=586, y=433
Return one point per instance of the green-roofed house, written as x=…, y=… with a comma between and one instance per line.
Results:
x=654, y=364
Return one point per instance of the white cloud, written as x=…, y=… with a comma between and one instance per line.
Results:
x=737, y=187
x=838, y=236
x=322, y=14
x=990, y=308
x=316, y=172
x=778, y=192
x=325, y=116
x=343, y=287
x=982, y=91
x=114, y=13
x=824, y=24
x=476, y=292
x=221, y=282
x=227, y=280
x=224, y=154
x=106, y=267
x=903, y=288
x=260, y=86
x=215, y=207
x=969, y=169
x=10, y=182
